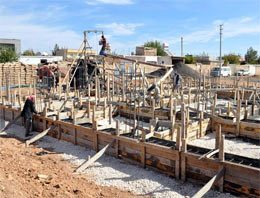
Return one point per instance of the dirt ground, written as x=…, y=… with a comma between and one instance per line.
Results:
x=34, y=172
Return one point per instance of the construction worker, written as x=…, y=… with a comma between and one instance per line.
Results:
x=103, y=42
x=176, y=81
x=27, y=114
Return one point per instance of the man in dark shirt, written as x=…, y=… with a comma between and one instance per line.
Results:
x=176, y=81
x=103, y=42
x=27, y=114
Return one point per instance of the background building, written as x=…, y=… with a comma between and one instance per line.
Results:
x=69, y=54
x=146, y=51
x=14, y=44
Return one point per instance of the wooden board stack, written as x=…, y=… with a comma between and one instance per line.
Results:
x=13, y=70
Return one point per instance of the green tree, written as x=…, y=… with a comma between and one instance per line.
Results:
x=189, y=59
x=56, y=47
x=158, y=46
x=251, y=56
x=231, y=59
x=29, y=52
x=38, y=53
x=8, y=55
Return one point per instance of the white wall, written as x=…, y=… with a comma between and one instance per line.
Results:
x=37, y=59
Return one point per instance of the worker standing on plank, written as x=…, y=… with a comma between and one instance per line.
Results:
x=27, y=114
x=103, y=42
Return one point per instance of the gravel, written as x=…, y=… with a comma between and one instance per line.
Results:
x=235, y=146
x=108, y=171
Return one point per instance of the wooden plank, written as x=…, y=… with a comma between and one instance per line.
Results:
x=100, y=128
x=149, y=135
x=39, y=136
x=93, y=159
x=167, y=155
x=64, y=103
x=249, y=124
x=250, y=134
x=223, y=121
x=206, y=163
x=143, y=156
x=207, y=187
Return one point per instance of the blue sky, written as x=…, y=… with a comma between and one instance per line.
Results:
x=127, y=23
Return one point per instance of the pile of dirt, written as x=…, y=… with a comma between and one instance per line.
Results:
x=186, y=71
x=34, y=172
x=181, y=68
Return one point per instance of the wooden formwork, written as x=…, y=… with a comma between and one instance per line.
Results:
x=245, y=128
x=239, y=180
x=166, y=156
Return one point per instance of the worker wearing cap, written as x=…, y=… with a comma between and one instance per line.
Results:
x=27, y=114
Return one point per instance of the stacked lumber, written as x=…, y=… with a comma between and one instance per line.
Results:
x=12, y=71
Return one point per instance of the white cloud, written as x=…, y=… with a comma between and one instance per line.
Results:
x=115, y=2
x=241, y=26
x=191, y=19
x=246, y=19
x=231, y=28
x=120, y=28
x=38, y=36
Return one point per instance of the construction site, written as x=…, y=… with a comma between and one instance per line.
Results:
x=118, y=126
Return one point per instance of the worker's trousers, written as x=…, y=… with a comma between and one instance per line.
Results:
x=28, y=126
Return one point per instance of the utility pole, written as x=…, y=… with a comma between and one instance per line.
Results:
x=181, y=46
x=220, y=45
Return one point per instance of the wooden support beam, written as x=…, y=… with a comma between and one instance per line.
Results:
x=238, y=117
x=218, y=135
x=108, y=86
x=178, y=139
x=95, y=135
x=143, y=156
x=89, y=109
x=183, y=160
x=153, y=109
x=143, y=135
x=229, y=109
x=184, y=145
x=104, y=109
x=221, y=154
x=246, y=110
x=1, y=91
x=86, y=164
x=63, y=105
x=200, y=123
x=183, y=120
x=209, y=154
x=96, y=89
x=208, y=185
x=110, y=114
x=39, y=136
x=171, y=108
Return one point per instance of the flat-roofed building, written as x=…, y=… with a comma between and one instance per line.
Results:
x=14, y=44
x=69, y=54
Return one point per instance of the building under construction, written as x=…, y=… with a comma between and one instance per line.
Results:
x=157, y=123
